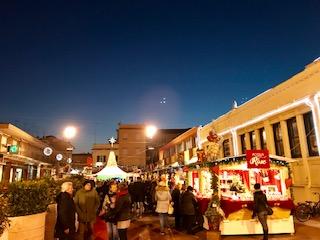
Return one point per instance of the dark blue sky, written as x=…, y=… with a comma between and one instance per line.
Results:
x=97, y=63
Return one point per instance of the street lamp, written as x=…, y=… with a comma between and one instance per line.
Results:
x=69, y=132
x=151, y=130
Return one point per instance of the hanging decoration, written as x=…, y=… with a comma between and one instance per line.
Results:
x=213, y=145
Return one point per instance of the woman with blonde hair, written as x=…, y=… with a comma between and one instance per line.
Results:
x=163, y=198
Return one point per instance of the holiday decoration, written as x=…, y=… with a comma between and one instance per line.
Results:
x=213, y=147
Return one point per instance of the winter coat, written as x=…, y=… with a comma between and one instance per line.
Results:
x=260, y=202
x=109, y=203
x=66, y=212
x=163, y=198
x=176, y=200
x=87, y=204
x=122, y=210
x=139, y=191
x=188, y=204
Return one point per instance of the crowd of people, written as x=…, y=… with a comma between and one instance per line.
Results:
x=118, y=203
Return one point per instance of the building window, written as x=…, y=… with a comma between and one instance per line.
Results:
x=278, y=139
x=138, y=151
x=125, y=136
x=101, y=158
x=4, y=140
x=226, y=148
x=263, y=138
x=253, y=140
x=138, y=136
x=172, y=151
x=125, y=151
x=189, y=144
x=310, y=134
x=181, y=147
x=243, y=143
x=294, y=138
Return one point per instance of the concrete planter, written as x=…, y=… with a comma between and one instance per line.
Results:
x=51, y=218
x=31, y=227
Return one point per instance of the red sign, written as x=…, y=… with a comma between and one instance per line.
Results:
x=258, y=159
x=89, y=161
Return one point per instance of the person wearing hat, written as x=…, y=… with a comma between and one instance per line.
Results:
x=188, y=208
x=87, y=202
x=163, y=198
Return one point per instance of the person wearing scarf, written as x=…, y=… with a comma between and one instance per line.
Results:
x=122, y=210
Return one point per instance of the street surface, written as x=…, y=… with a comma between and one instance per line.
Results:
x=148, y=228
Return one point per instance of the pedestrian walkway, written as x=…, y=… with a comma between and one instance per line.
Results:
x=311, y=223
x=147, y=228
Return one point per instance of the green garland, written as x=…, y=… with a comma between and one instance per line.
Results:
x=232, y=160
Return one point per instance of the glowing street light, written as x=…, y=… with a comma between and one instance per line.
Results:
x=69, y=132
x=151, y=131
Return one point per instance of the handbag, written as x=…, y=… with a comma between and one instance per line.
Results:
x=269, y=209
x=170, y=209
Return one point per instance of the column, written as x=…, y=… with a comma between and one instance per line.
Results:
x=38, y=171
x=304, y=147
x=238, y=145
x=269, y=138
x=302, y=136
x=247, y=138
x=315, y=107
x=285, y=139
x=258, y=142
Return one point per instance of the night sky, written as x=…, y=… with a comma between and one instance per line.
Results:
x=96, y=63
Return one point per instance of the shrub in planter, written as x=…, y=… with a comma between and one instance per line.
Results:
x=28, y=197
x=55, y=185
x=4, y=221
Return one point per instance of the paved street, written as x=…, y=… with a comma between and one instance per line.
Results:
x=148, y=228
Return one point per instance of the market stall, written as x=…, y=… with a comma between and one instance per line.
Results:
x=236, y=179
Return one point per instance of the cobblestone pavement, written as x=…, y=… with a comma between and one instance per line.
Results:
x=148, y=228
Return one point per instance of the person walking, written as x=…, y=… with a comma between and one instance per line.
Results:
x=66, y=213
x=188, y=209
x=163, y=198
x=139, y=192
x=260, y=208
x=176, y=205
x=87, y=203
x=108, y=205
x=122, y=210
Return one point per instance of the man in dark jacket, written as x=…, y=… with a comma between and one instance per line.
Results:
x=260, y=209
x=87, y=202
x=188, y=208
x=65, y=226
x=176, y=205
x=139, y=192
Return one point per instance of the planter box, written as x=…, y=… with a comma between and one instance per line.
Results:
x=29, y=227
x=51, y=218
x=4, y=235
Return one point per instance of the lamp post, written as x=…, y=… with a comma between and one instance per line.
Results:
x=150, y=132
x=69, y=133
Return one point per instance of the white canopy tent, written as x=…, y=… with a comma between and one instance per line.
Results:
x=111, y=170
